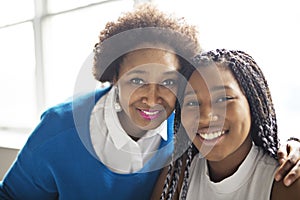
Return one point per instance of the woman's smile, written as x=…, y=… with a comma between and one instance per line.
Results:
x=211, y=137
x=149, y=114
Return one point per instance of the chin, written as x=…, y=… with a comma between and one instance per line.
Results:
x=213, y=156
x=150, y=125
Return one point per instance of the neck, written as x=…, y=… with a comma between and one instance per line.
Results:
x=129, y=127
x=219, y=170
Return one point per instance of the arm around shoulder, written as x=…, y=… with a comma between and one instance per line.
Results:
x=281, y=192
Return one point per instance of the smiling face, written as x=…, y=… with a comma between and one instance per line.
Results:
x=147, y=85
x=216, y=114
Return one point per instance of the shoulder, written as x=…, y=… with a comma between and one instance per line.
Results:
x=281, y=192
x=64, y=117
x=266, y=165
x=263, y=157
x=76, y=106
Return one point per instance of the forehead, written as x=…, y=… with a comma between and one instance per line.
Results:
x=212, y=78
x=151, y=60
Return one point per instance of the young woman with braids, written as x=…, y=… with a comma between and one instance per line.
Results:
x=228, y=114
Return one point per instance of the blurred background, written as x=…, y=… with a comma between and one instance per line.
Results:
x=44, y=43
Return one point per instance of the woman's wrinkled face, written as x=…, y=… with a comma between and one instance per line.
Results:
x=215, y=113
x=147, y=83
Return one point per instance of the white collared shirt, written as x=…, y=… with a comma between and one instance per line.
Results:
x=114, y=147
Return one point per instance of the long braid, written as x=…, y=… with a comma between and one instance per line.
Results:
x=179, y=146
x=187, y=172
x=175, y=179
x=267, y=126
x=167, y=180
x=171, y=168
x=273, y=125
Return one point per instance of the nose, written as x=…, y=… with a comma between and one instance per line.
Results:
x=152, y=95
x=207, y=115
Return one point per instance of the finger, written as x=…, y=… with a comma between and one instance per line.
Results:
x=284, y=168
x=282, y=153
x=293, y=175
x=293, y=148
x=281, y=157
x=294, y=155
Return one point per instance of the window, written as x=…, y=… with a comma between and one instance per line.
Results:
x=69, y=39
x=15, y=11
x=43, y=46
x=17, y=71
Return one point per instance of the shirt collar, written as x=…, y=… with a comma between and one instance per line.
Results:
x=116, y=131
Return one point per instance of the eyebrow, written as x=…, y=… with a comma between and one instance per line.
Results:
x=145, y=72
x=171, y=72
x=216, y=88
x=136, y=72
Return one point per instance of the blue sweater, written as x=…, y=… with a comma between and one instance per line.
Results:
x=58, y=161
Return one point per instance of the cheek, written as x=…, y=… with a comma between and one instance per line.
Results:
x=240, y=115
x=184, y=119
x=168, y=94
x=171, y=100
x=126, y=95
x=247, y=122
x=190, y=121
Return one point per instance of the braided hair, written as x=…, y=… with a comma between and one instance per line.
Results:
x=252, y=82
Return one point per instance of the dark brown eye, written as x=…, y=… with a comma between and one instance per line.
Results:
x=223, y=99
x=137, y=81
x=192, y=104
x=168, y=82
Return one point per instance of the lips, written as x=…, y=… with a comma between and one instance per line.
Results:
x=149, y=114
x=211, y=135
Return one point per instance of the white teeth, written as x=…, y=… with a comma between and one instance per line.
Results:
x=213, y=135
x=150, y=112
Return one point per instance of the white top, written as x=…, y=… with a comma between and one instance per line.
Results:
x=112, y=144
x=252, y=181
